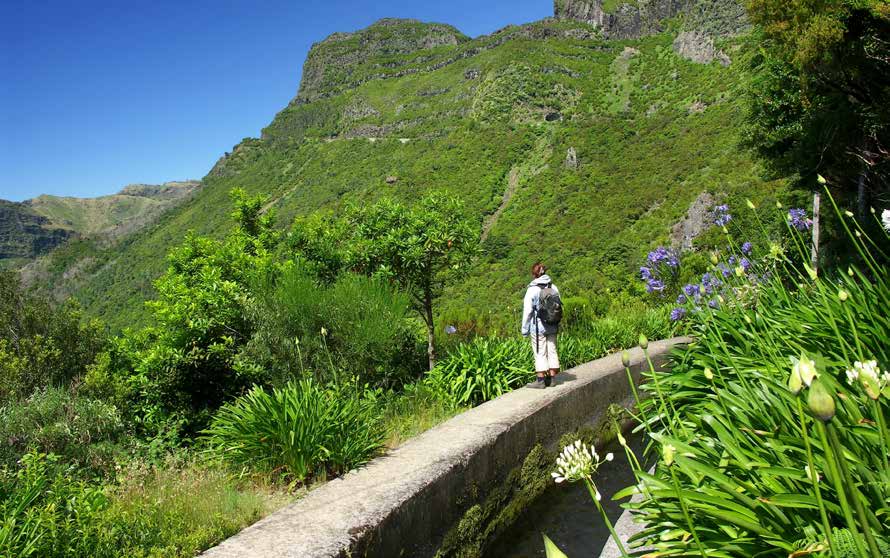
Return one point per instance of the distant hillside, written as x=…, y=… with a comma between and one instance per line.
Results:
x=34, y=227
x=24, y=234
x=118, y=213
x=571, y=147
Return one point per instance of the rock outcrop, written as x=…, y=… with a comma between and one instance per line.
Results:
x=336, y=59
x=632, y=20
x=571, y=161
x=699, y=48
x=694, y=223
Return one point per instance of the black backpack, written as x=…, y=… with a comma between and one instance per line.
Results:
x=549, y=305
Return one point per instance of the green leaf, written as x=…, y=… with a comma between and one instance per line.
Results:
x=551, y=549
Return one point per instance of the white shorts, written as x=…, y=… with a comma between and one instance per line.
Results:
x=544, y=349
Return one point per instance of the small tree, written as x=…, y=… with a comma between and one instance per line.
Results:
x=413, y=246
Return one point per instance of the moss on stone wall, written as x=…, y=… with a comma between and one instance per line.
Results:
x=484, y=522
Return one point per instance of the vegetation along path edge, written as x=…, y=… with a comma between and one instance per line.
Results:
x=400, y=501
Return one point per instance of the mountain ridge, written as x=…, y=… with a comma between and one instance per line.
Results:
x=492, y=119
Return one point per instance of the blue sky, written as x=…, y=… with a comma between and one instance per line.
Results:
x=97, y=95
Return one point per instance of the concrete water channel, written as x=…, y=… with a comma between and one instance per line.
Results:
x=403, y=503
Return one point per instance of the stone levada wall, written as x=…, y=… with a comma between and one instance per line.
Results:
x=404, y=503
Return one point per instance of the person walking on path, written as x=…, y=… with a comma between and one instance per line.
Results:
x=541, y=314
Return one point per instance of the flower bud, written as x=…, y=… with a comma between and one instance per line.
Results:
x=644, y=343
x=821, y=402
x=668, y=454
x=625, y=359
x=750, y=204
x=709, y=374
x=843, y=295
x=714, y=259
x=778, y=204
x=850, y=271
x=848, y=213
x=795, y=384
x=821, y=179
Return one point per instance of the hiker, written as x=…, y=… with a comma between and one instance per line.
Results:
x=541, y=314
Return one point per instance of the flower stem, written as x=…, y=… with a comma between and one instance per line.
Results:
x=806, y=440
x=839, y=489
x=592, y=490
x=854, y=492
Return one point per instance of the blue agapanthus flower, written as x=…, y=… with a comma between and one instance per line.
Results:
x=662, y=255
x=681, y=299
x=654, y=286
x=645, y=273
x=690, y=289
x=721, y=215
x=714, y=303
x=725, y=271
x=745, y=263
x=450, y=330
x=678, y=314
x=799, y=220
x=747, y=248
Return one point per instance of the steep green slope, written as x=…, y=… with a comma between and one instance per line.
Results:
x=493, y=120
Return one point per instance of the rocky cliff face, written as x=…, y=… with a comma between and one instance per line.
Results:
x=334, y=61
x=645, y=17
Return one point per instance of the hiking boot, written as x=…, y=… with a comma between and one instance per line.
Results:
x=537, y=384
x=548, y=380
x=553, y=380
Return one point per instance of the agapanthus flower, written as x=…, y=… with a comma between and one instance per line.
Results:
x=578, y=461
x=724, y=270
x=747, y=248
x=733, y=260
x=662, y=255
x=885, y=219
x=714, y=303
x=645, y=273
x=798, y=219
x=745, y=263
x=721, y=215
x=450, y=330
x=654, y=286
x=690, y=289
x=681, y=298
x=678, y=314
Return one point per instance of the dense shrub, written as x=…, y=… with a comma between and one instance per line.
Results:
x=84, y=432
x=301, y=430
x=41, y=344
x=357, y=325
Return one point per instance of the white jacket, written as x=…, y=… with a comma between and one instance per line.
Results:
x=531, y=323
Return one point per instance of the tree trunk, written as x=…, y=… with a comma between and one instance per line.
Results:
x=814, y=258
x=430, y=327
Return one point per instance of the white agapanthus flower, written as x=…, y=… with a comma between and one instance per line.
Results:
x=885, y=218
x=578, y=461
x=868, y=368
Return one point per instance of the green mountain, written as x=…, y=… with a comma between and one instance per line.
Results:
x=581, y=140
